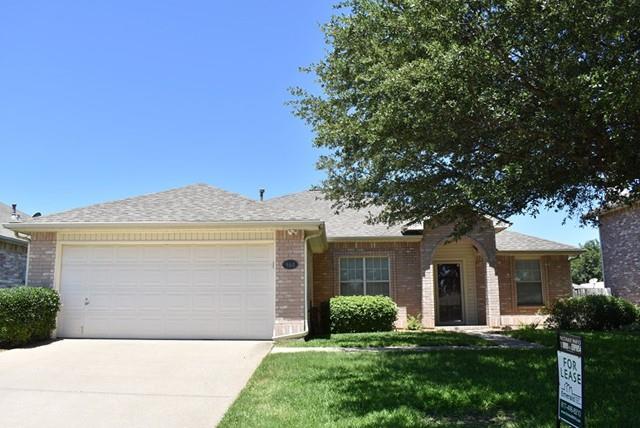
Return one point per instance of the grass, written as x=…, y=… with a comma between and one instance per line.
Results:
x=391, y=338
x=490, y=387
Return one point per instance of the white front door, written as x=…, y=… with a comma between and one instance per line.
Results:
x=168, y=291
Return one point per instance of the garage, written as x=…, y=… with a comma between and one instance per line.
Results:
x=200, y=291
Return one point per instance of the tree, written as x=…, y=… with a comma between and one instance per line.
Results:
x=587, y=265
x=450, y=110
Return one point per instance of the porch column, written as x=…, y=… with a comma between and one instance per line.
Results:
x=493, y=297
x=428, y=299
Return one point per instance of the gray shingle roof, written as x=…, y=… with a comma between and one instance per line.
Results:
x=201, y=203
x=508, y=240
x=347, y=223
x=197, y=203
x=5, y=217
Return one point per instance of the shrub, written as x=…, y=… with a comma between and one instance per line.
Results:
x=595, y=312
x=414, y=322
x=27, y=314
x=355, y=314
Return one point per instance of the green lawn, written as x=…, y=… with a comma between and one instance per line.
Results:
x=492, y=387
x=391, y=338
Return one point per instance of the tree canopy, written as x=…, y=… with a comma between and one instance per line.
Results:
x=449, y=110
x=587, y=265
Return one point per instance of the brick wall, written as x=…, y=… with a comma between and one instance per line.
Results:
x=556, y=283
x=289, y=283
x=620, y=241
x=42, y=259
x=404, y=264
x=13, y=263
x=481, y=289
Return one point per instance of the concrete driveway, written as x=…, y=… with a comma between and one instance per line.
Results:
x=124, y=383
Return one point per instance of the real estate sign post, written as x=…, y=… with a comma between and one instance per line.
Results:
x=570, y=380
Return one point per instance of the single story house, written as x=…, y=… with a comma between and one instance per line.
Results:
x=620, y=244
x=200, y=262
x=13, y=249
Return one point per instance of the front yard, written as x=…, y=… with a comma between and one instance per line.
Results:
x=470, y=388
x=392, y=338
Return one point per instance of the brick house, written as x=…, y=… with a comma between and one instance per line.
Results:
x=199, y=262
x=13, y=251
x=620, y=243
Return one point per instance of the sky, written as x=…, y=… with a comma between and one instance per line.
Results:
x=105, y=100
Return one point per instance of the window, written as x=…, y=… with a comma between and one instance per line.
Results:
x=364, y=275
x=528, y=283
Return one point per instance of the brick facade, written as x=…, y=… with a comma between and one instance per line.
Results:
x=410, y=271
x=290, y=314
x=42, y=259
x=620, y=241
x=556, y=283
x=408, y=277
x=13, y=263
x=404, y=272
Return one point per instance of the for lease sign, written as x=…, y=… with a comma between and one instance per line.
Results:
x=570, y=380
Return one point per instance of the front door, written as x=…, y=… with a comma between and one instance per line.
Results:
x=449, y=280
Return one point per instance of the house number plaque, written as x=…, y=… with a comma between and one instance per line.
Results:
x=290, y=264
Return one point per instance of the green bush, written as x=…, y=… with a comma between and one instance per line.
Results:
x=356, y=314
x=27, y=314
x=591, y=313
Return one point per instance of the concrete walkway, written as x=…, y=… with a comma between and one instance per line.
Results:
x=124, y=383
x=498, y=341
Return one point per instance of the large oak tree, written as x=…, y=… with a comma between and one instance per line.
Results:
x=447, y=110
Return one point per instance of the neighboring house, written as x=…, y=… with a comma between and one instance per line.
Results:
x=199, y=262
x=13, y=250
x=620, y=243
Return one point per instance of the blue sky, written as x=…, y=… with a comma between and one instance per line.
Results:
x=104, y=100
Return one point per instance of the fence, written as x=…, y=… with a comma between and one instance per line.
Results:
x=590, y=291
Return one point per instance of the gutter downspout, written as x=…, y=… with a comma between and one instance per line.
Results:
x=306, y=300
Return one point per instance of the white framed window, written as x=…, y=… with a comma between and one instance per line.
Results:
x=364, y=276
x=528, y=282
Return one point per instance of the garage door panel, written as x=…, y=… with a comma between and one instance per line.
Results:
x=75, y=255
x=205, y=276
x=101, y=255
x=259, y=254
x=127, y=254
x=208, y=302
x=164, y=291
x=233, y=254
x=232, y=276
x=206, y=255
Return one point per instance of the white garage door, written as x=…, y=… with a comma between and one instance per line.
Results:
x=168, y=291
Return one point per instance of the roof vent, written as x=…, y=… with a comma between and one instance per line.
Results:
x=262, y=194
x=15, y=217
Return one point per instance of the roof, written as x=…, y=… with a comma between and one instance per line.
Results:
x=197, y=203
x=508, y=240
x=346, y=223
x=202, y=204
x=5, y=217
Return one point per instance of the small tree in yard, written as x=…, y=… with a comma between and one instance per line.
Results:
x=451, y=110
x=587, y=265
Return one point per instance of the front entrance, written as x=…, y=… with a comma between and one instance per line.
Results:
x=449, y=304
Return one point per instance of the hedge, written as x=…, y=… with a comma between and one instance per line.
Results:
x=27, y=314
x=594, y=312
x=355, y=314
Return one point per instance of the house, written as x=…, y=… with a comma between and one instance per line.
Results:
x=620, y=243
x=200, y=262
x=13, y=250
